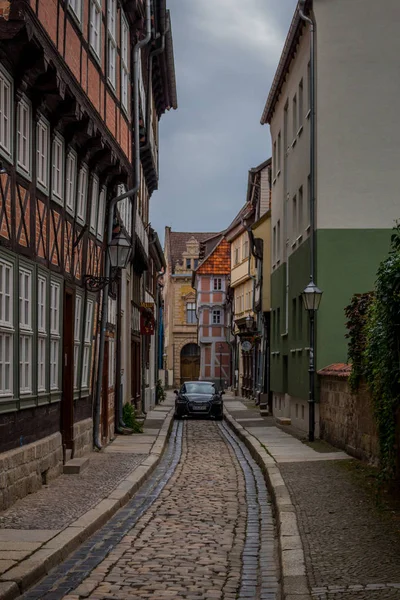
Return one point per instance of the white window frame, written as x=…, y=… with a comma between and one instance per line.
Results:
x=25, y=295
x=191, y=309
x=112, y=43
x=95, y=24
x=42, y=333
x=75, y=6
x=94, y=204
x=6, y=328
x=55, y=334
x=70, y=181
x=77, y=337
x=81, y=196
x=124, y=63
x=217, y=284
x=6, y=116
x=111, y=362
x=57, y=169
x=101, y=213
x=88, y=336
x=42, y=154
x=24, y=137
x=216, y=317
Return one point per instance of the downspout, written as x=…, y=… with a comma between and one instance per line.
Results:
x=253, y=278
x=114, y=201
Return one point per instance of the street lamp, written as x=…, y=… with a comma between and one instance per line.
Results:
x=311, y=300
x=119, y=251
x=249, y=322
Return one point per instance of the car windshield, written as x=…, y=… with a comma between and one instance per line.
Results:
x=198, y=388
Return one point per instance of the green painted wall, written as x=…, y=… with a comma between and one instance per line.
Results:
x=347, y=262
x=278, y=344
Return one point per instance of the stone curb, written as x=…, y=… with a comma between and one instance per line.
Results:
x=18, y=579
x=291, y=554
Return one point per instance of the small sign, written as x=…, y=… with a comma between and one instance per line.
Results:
x=246, y=346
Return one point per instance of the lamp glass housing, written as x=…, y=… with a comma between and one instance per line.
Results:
x=119, y=251
x=311, y=297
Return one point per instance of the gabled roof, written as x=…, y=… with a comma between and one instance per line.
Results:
x=178, y=244
x=218, y=262
x=289, y=49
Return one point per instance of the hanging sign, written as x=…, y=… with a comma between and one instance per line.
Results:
x=147, y=318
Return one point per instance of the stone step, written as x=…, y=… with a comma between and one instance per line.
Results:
x=75, y=466
x=283, y=420
x=264, y=412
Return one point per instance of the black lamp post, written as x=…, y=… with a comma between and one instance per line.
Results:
x=311, y=300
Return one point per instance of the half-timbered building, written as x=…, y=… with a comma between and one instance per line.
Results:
x=66, y=149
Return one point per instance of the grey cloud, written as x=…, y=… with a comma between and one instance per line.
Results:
x=226, y=56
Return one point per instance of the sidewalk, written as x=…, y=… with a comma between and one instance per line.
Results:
x=333, y=537
x=39, y=531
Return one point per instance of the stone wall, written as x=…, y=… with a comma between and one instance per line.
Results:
x=346, y=419
x=24, y=470
x=83, y=437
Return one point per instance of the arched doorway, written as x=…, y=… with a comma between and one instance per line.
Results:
x=190, y=363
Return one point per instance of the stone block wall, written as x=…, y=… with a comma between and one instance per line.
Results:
x=24, y=470
x=83, y=437
x=346, y=419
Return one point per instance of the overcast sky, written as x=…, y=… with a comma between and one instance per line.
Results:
x=226, y=55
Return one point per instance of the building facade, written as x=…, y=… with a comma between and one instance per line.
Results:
x=66, y=149
x=211, y=282
x=182, y=352
x=355, y=182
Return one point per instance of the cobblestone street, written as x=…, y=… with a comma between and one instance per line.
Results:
x=201, y=528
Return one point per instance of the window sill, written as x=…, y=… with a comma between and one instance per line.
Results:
x=294, y=244
x=308, y=113
x=95, y=56
x=24, y=173
x=278, y=173
x=308, y=228
x=6, y=156
x=42, y=188
x=294, y=142
x=299, y=239
x=274, y=181
x=300, y=131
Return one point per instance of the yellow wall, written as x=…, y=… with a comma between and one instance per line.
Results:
x=263, y=230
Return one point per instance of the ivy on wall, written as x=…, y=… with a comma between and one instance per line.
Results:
x=374, y=350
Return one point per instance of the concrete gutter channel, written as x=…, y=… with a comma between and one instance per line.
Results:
x=29, y=571
x=291, y=554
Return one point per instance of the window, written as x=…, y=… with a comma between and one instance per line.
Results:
x=274, y=245
x=76, y=8
x=188, y=263
x=95, y=26
x=82, y=193
x=245, y=249
x=58, y=169
x=42, y=332
x=5, y=113
x=218, y=284
x=124, y=63
x=24, y=136
x=94, y=207
x=294, y=116
x=6, y=328
x=87, y=343
x=279, y=151
x=300, y=212
x=294, y=319
x=216, y=315
x=278, y=243
x=274, y=160
x=237, y=255
x=26, y=332
x=77, y=336
x=191, y=313
x=301, y=310
x=101, y=215
x=54, y=334
x=42, y=154
x=112, y=41
x=301, y=103
x=70, y=187
x=111, y=362
x=294, y=217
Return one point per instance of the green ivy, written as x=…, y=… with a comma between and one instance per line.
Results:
x=374, y=350
x=357, y=318
x=129, y=418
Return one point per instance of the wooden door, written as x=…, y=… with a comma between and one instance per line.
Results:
x=135, y=372
x=190, y=368
x=67, y=403
x=104, y=394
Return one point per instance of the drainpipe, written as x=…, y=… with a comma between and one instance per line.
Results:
x=253, y=278
x=129, y=194
x=311, y=369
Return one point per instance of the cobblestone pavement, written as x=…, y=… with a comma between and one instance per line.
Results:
x=352, y=550
x=68, y=497
x=201, y=528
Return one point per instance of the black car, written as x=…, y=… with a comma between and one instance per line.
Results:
x=198, y=398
